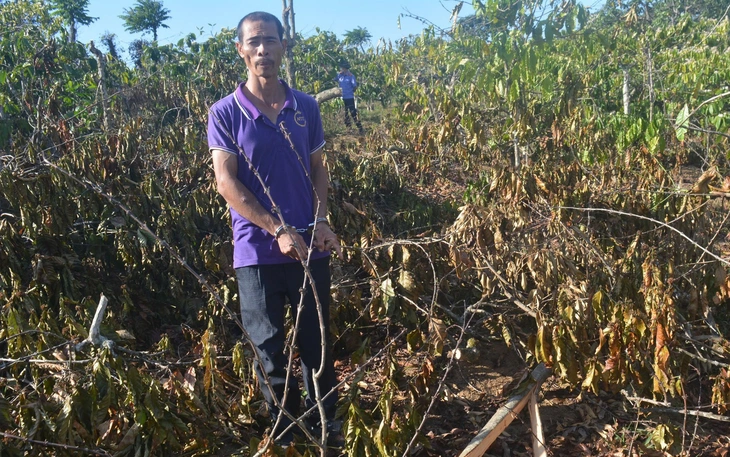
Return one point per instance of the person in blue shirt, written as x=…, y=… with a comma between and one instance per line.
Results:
x=348, y=83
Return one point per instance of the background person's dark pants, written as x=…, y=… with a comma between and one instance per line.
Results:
x=350, y=110
x=263, y=290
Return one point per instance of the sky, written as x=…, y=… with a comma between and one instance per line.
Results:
x=379, y=17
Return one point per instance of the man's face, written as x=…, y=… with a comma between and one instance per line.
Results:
x=261, y=48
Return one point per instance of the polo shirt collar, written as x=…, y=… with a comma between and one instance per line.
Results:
x=249, y=109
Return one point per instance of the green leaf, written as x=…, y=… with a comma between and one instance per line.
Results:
x=656, y=144
x=532, y=61
x=682, y=122
x=660, y=438
x=549, y=31
x=514, y=91
x=145, y=238
x=140, y=416
x=547, y=87
x=596, y=301
x=537, y=32
x=414, y=340
x=719, y=122
x=499, y=86
x=591, y=378
x=65, y=421
x=389, y=297
x=570, y=22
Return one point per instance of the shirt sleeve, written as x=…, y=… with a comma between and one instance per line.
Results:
x=316, y=131
x=219, y=131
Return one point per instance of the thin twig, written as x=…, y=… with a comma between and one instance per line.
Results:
x=436, y=395
x=664, y=407
x=56, y=445
x=709, y=100
x=691, y=412
x=701, y=130
x=703, y=359
x=509, y=295
x=655, y=221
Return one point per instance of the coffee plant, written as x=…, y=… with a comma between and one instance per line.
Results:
x=523, y=180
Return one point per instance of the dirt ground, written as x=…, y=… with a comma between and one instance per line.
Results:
x=574, y=423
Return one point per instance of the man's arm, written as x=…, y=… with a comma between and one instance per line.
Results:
x=324, y=237
x=241, y=199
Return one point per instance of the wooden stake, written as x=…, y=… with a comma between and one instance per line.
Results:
x=538, y=438
x=506, y=414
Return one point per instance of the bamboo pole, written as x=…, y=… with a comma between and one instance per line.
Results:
x=506, y=414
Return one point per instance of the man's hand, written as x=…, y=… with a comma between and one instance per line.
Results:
x=325, y=239
x=292, y=244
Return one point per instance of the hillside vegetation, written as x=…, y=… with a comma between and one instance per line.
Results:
x=541, y=176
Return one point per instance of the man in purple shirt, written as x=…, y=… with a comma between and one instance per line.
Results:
x=266, y=140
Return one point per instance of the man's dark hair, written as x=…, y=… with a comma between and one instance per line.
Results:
x=263, y=17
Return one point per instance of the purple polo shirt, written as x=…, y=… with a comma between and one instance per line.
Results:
x=281, y=167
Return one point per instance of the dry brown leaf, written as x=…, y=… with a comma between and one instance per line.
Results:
x=350, y=208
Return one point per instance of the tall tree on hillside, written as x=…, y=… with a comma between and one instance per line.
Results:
x=73, y=13
x=146, y=16
x=669, y=11
x=357, y=38
x=136, y=49
x=477, y=26
x=110, y=41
